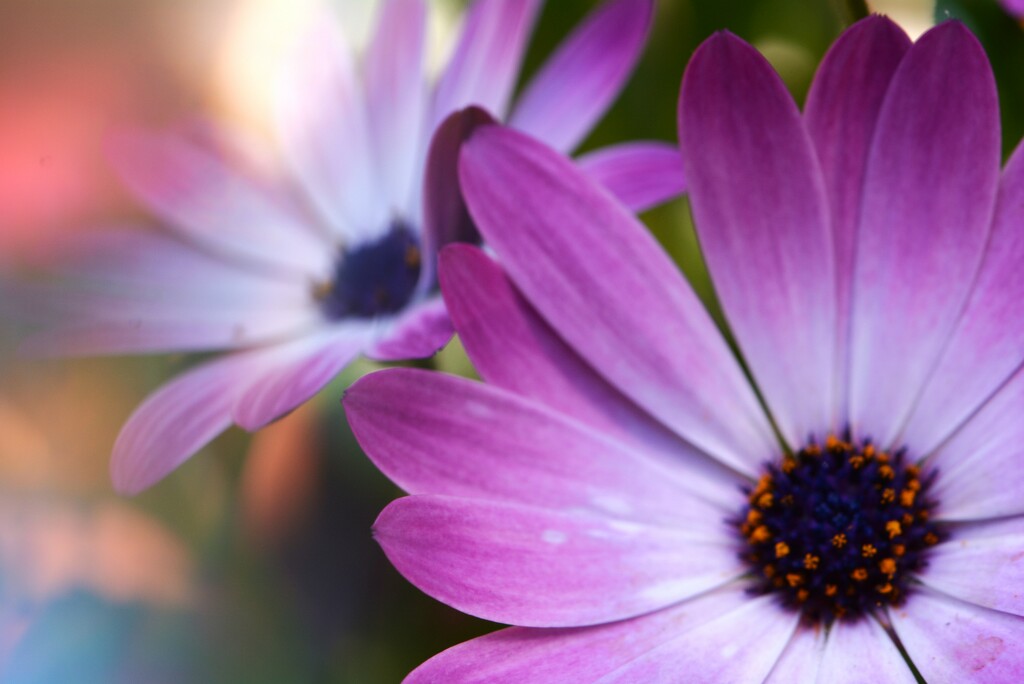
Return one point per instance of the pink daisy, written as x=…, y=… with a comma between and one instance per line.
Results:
x=621, y=492
x=297, y=277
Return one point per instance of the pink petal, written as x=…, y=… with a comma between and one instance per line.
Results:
x=513, y=348
x=641, y=174
x=420, y=332
x=285, y=376
x=216, y=204
x=982, y=563
x=604, y=285
x=583, y=655
x=542, y=568
x=487, y=443
x=801, y=659
x=760, y=210
x=324, y=129
x=175, y=422
x=574, y=88
x=979, y=467
x=988, y=343
x=929, y=191
x=951, y=642
x=862, y=652
x=396, y=94
x=841, y=116
x=486, y=62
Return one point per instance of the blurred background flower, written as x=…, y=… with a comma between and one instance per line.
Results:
x=255, y=562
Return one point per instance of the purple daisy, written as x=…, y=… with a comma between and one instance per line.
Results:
x=297, y=277
x=621, y=492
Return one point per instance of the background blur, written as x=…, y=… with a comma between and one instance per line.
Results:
x=254, y=561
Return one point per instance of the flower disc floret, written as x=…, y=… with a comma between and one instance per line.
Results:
x=838, y=529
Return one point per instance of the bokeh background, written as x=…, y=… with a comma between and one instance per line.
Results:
x=254, y=562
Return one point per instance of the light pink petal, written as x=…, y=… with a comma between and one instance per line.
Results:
x=579, y=655
x=325, y=133
x=861, y=652
x=486, y=62
x=445, y=218
x=487, y=443
x=641, y=174
x=598, y=277
x=217, y=205
x=737, y=645
x=175, y=422
x=397, y=95
x=980, y=473
x=988, y=343
x=420, y=332
x=543, y=568
x=577, y=84
x=929, y=191
x=982, y=563
x=513, y=348
x=285, y=376
x=801, y=659
x=951, y=642
x=759, y=207
x=841, y=115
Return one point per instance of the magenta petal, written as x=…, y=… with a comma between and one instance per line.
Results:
x=950, y=641
x=418, y=333
x=486, y=443
x=486, y=62
x=928, y=197
x=324, y=128
x=982, y=563
x=846, y=660
x=841, y=115
x=585, y=655
x=598, y=277
x=397, y=94
x=513, y=348
x=285, y=376
x=761, y=214
x=988, y=343
x=573, y=89
x=641, y=174
x=175, y=422
x=979, y=467
x=445, y=218
x=542, y=568
x=214, y=204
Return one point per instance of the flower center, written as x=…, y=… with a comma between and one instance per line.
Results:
x=373, y=278
x=838, y=529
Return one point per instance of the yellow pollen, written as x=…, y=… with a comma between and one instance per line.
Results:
x=857, y=462
x=894, y=528
x=907, y=497
x=754, y=516
x=813, y=450
x=781, y=549
x=830, y=590
x=888, y=567
x=795, y=579
x=868, y=550
x=886, y=471
x=885, y=588
x=788, y=464
x=913, y=471
x=869, y=451
x=839, y=540
x=802, y=594
x=888, y=495
x=769, y=571
x=898, y=549
x=832, y=443
x=914, y=485
x=883, y=457
x=765, y=500
x=811, y=562
x=760, y=534
x=860, y=574
x=923, y=514
x=931, y=539
x=907, y=519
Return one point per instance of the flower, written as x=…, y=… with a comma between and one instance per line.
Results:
x=297, y=277
x=617, y=488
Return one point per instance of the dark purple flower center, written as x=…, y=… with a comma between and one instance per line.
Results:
x=838, y=529
x=373, y=278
